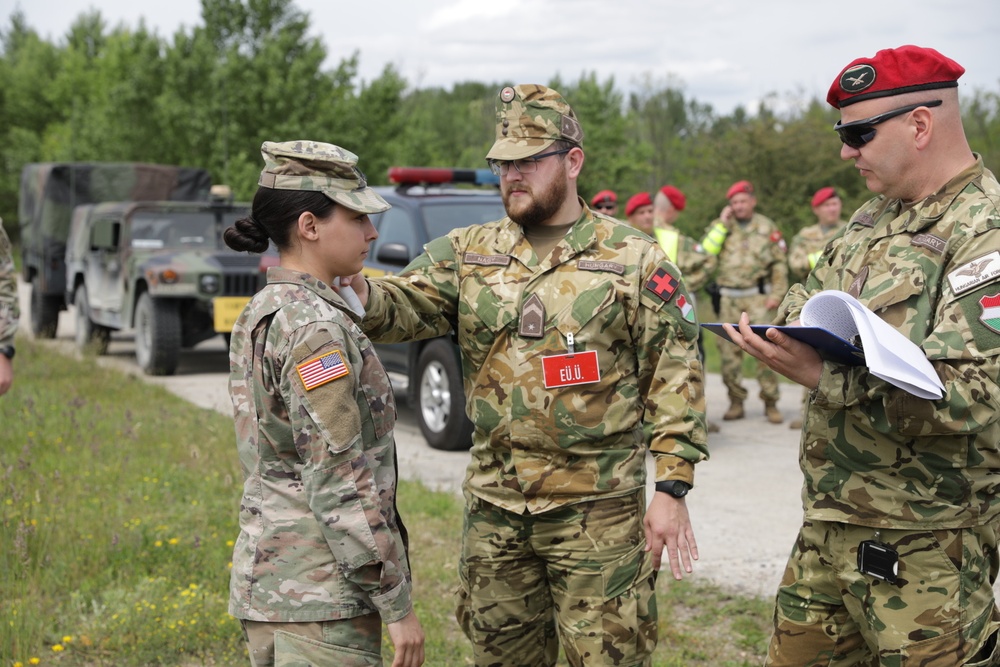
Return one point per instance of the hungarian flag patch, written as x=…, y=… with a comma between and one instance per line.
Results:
x=321, y=370
x=991, y=312
x=662, y=284
x=687, y=310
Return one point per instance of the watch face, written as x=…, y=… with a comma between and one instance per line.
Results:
x=680, y=490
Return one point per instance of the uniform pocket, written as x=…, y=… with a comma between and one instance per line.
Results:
x=297, y=651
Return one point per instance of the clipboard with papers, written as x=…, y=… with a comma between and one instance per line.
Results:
x=844, y=331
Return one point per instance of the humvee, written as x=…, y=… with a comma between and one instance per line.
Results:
x=50, y=191
x=160, y=269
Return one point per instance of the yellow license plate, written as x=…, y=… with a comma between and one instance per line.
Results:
x=227, y=310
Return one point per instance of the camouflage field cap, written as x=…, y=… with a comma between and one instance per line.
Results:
x=319, y=167
x=529, y=119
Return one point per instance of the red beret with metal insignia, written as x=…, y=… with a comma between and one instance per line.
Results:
x=907, y=69
x=604, y=196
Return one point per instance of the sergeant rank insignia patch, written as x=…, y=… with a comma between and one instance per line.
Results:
x=321, y=370
x=662, y=284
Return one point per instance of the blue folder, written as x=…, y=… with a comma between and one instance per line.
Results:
x=830, y=346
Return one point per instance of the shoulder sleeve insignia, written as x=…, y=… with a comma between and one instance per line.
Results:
x=662, y=284
x=322, y=369
x=977, y=272
x=990, y=315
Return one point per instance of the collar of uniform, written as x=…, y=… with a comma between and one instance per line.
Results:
x=579, y=237
x=893, y=217
x=278, y=274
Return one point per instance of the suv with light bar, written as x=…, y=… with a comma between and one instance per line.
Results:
x=427, y=202
x=159, y=268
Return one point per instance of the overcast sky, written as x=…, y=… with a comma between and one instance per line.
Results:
x=720, y=52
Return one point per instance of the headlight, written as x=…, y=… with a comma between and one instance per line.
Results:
x=209, y=283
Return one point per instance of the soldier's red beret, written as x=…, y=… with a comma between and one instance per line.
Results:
x=604, y=195
x=676, y=197
x=738, y=187
x=822, y=195
x=893, y=72
x=637, y=200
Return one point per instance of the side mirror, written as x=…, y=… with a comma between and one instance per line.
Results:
x=393, y=253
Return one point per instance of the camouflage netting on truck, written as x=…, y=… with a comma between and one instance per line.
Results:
x=50, y=191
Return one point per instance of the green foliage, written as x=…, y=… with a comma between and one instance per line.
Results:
x=209, y=95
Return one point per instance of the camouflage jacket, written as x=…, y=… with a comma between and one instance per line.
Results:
x=752, y=252
x=9, y=304
x=319, y=535
x=808, y=241
x=609, y=288
x=694, y=263
x=872, y=454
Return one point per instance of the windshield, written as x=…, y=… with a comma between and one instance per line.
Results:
x=179, y=229
x=442, y=218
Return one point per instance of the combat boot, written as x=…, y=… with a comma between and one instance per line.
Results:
x=795, y=424
x=772, y=413
x=735, y=410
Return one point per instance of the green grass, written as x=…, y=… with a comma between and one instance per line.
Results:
x=117, y=515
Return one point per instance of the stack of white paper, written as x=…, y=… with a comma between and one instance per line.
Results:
x=888, y=354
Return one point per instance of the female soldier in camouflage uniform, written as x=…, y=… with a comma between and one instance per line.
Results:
x=321, y=558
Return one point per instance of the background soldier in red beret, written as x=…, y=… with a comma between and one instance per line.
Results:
x=605, y=201
x=753, y=278
x=897, y=555
x=807, y=246
x=639, y=212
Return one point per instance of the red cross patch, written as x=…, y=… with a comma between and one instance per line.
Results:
x=662, y=284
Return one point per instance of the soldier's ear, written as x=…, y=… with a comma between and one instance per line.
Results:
x=306, y=226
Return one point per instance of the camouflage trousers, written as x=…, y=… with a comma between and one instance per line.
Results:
x=351, y=642
x=940, y=612
x=731, y=356
x=578, y=574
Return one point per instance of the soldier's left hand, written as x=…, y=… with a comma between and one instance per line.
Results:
x=668, y=526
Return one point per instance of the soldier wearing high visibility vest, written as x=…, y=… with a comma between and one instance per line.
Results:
x=753, y=278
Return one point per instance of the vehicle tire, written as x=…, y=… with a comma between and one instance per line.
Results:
x=440, y=399
x=157, y=335
x=44, y=313
x=89, y=337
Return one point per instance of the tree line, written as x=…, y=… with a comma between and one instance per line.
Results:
x=210, y=95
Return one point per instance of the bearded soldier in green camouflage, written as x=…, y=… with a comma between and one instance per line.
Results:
x=897, y=556
x=321, y=558
x=578, y=344
x=9, y=311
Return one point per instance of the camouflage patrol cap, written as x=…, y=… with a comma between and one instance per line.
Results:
x=319, y=167
x=529, y=119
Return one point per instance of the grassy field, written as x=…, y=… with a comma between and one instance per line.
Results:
x=118, y=513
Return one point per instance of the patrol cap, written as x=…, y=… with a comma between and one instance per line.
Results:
x=636, y=201
x=906, y=69
x=676, y=197
x=822, y=195
x=604, y=196
x=738, y=187
x=319, y=167
x=530, y=118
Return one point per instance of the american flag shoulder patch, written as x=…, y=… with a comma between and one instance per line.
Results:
x=322, y=369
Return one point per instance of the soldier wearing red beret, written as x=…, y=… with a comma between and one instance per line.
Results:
x=639, y=212
x=897, y=555
x=605, y=201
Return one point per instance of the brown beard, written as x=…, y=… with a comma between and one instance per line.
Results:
x=542, y=205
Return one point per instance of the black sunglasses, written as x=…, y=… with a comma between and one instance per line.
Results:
x=859, y=132
x=604, y=207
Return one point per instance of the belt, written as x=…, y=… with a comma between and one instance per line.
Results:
x=739, y=292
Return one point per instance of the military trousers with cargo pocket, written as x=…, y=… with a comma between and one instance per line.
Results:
x=349, y=642
x=578, y=575
x=940, y=612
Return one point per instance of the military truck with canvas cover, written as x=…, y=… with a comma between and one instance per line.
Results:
x=160, y=269
x=49, y=193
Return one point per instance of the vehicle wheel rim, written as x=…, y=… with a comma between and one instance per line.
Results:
x=143, y=337
x=435, y=397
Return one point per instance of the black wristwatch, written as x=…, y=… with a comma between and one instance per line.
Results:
x=7, y=351
x=674, y=487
